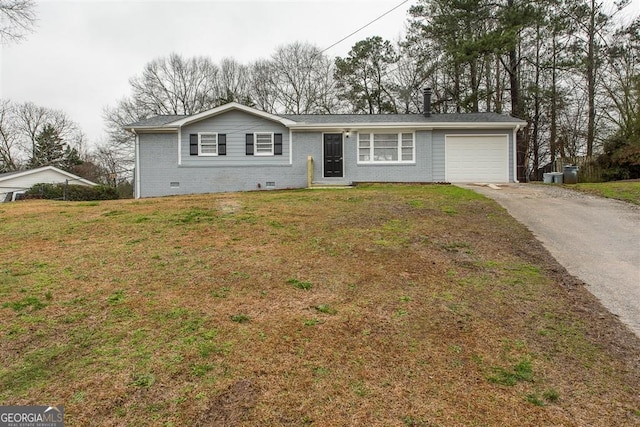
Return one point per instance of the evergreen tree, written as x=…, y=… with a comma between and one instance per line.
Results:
x=51, y=150
x=362, y=76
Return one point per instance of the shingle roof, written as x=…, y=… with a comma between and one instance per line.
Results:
x=362, y=119
x=402, y=118
x=156, y=121
x=7, y=174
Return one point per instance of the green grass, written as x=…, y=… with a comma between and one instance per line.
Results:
x=300, y=284
x=521, y=371
x=627, y=191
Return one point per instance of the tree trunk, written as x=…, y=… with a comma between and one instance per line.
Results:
x=516, y=104
x=591, y=79
x=535, y=143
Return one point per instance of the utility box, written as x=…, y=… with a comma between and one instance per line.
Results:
x=570, y=175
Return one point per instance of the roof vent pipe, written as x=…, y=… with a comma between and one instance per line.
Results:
x=427, y=102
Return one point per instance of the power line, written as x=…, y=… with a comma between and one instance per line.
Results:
x=363, y=27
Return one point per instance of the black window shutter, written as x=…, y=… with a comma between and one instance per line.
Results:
x=249, y=144
x=277, y=144
x=193, y=144
x=222, y=144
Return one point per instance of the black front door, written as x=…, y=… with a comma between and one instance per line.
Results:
x=333, y=155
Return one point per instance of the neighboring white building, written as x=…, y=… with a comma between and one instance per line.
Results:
x=15, y=183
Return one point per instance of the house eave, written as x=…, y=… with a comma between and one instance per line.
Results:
x=152, y=129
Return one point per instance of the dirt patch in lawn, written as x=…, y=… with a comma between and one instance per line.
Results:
x=381, y=305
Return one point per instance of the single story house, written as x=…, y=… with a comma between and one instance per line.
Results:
x=238, y=148
x=12, y=184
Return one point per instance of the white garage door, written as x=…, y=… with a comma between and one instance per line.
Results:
x=477, y=158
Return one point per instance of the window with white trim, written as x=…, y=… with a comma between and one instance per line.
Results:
x=207, y=144
x=263, y=143
x=386, y=147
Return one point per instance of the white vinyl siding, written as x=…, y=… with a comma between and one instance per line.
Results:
x=386, y=147
x=263, y=143
x=207, y=144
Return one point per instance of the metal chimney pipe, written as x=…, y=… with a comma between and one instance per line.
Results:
x=427, y=101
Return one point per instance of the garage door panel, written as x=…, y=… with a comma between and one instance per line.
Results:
x=477, y=158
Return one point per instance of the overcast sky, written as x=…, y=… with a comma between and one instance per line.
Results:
x=83, y=52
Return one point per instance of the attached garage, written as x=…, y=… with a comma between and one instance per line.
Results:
x=477, y=158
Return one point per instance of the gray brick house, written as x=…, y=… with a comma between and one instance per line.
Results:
x=238, y=148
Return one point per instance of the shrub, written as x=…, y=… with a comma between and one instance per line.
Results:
x=78, y=193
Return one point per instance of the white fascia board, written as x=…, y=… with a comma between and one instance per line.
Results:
x=228, y=107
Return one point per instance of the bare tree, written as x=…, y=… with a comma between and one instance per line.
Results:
x=175, y=85
x=262, y=86
x=114, y=162
x=8, y=137
x=233, y=83
x=116, y=118
x=17, y=18
x=301, y=79
x=31, y=119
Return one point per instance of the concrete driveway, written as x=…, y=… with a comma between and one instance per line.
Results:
x=595, y=239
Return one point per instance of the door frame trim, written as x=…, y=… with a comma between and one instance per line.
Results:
x=343, y=162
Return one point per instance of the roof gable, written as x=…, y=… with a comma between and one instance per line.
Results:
x=229, y=107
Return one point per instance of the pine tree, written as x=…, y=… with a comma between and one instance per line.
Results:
x=51, y=150
x=48, y=148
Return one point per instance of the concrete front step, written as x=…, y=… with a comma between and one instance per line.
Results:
x=318, y=185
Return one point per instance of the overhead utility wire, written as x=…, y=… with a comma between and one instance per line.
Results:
x=363, y=27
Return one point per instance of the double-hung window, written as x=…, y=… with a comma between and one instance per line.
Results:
x=386, y=147
x=263, y=143
x=208, y=144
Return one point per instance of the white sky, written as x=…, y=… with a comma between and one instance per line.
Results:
x=83, y=52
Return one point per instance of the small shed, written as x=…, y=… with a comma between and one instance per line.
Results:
x=14, y=183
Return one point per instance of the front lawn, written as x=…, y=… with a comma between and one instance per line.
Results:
x=380, y=305
x=628, y=191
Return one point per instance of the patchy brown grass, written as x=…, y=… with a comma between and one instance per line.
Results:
x=381, y=305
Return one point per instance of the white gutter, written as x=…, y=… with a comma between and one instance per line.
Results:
x=515, y=154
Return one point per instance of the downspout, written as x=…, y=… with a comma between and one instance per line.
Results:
x=136, y=170
x=179, y=145
x=290, y=146
x=515, y=154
